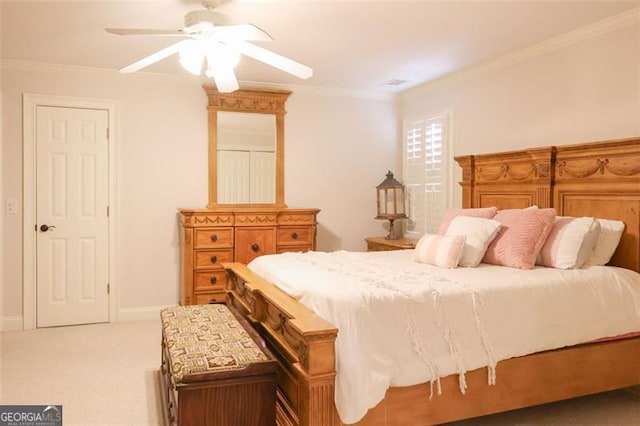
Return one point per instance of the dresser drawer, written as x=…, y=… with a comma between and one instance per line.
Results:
x=213, y=237
x=254, y=242
x=209, y=280
x=207, y=298
x=295, y=235
x=293, y=217
x=212, y=258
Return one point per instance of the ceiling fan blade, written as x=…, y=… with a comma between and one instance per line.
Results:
x=247, y=32
x=153, y=58
x=137, y=31
x=275, y=60
x=225, y=79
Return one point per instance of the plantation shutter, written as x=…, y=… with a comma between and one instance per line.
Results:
x=425, y=173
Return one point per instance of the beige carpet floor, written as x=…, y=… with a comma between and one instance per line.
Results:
x=105, y=374
x=100, y=373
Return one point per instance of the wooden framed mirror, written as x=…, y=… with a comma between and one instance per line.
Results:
x=246, y=147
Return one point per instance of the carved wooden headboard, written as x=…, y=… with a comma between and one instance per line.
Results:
x=600, y=179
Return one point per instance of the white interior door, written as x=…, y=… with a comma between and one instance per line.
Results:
x=72, y=185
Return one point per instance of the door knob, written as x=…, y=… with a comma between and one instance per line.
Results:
x=45, y=228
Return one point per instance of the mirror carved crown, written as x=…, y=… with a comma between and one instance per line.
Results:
x=259, y=101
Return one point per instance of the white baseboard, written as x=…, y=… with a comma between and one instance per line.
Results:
x=14, y=323
x=139, y=314
x=11, y=323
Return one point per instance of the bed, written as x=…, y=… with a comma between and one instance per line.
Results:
x=600, y=179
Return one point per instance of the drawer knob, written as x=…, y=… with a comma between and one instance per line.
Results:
x=294, y=235
x=214, y=238
x=214, y=259
x=212, y=301
x=255, y=248
x=213, y=280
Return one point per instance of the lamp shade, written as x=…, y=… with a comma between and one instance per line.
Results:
x=390, y=199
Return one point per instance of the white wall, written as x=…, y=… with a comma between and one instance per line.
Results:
x=340, y=150
x=587, y=90
x=337, y=149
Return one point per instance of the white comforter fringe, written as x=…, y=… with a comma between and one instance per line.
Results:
x=421, y=351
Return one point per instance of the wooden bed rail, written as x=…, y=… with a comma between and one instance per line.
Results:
x=303, y=342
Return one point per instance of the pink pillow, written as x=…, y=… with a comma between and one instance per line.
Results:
x=519, y=241
x=485, y=212
x=439, y=250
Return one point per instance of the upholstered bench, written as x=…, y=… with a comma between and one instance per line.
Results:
x=215, y=369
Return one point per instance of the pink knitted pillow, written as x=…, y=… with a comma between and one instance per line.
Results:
x=519, y=241
x=485, y=212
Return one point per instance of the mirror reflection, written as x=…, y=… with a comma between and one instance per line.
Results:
x=246, y=155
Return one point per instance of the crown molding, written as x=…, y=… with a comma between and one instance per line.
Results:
x=326, y=91
x=587, y=32
x=76, y=70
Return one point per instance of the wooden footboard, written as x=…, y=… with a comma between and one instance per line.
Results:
x=303, y=342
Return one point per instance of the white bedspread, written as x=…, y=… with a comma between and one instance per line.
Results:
x=402, y=323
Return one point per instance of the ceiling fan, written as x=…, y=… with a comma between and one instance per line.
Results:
x=209, y=40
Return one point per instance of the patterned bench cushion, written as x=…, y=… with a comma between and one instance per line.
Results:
x=204, y=339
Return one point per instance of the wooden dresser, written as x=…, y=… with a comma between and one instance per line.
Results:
x=209, y=237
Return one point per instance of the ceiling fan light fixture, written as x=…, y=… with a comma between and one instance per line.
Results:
x=222, y=54
x=193, y=52
x=221, y=60
x=192, y=57
x=212, y=37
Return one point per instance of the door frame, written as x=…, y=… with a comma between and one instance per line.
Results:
x=29, y=104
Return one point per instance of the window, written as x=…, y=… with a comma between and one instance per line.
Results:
x=426, y=171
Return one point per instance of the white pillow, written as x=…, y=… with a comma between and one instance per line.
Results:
x=478, y=232
x=608, y=240
x=570, y=242
x=439, y=250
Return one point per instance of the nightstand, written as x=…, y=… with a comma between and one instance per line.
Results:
x=382, y=244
